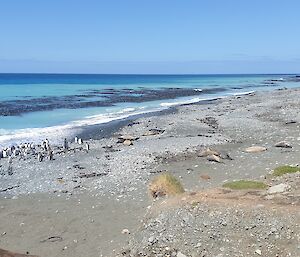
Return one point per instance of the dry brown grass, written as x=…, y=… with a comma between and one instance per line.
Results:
x=164, y=185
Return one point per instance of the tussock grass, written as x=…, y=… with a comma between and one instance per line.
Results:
x=165, y=184
x=245, y=184
x=279, y=171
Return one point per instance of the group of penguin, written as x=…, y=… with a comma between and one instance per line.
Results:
x=25, y=149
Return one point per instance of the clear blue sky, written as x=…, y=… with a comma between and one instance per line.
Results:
x=150, y=36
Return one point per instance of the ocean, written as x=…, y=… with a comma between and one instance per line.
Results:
x=38, y=106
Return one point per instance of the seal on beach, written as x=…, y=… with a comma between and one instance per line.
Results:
x=255, y=149
x=283, y=144
x=213, y=158
x=207, y=152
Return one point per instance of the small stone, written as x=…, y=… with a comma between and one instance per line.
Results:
x=257, y=251
x=125, y=231
x=127, y=142
x=151, y=239
x=179, y=254
x=205, y=177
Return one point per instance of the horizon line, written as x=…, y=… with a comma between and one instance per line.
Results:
x=141, y=74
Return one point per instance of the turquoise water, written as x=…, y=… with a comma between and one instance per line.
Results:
x=51, y=104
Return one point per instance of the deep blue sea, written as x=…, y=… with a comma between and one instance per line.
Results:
x=35, y=106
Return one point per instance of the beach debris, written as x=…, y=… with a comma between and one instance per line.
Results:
x=153, y=132
x=280, y=188
x=205, y=177
x=127, y=142
x=5, y=253
x=255, y=149
x=52, y=239
x=213, y=158
x=283, y=144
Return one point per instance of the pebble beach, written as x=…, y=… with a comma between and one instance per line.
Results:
x=92, y=199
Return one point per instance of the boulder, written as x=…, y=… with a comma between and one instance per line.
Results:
x=280, y=188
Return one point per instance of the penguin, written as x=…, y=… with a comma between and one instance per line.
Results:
x=8, y=151
x=4, y=153
x=9, y=169
x=16, y=152
x=47, y=144
x=66, y=146
x=44, y=146
x=40, y=157
x=50, y=155
x=80, y=141
x=76, y=140
x=87, y=147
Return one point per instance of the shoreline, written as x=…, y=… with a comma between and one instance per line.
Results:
x=78, y=126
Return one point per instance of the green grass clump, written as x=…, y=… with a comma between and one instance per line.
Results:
x=165, y=184
x=279, y=171
x=245, y=184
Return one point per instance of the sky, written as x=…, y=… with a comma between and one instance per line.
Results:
x=150, y=36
